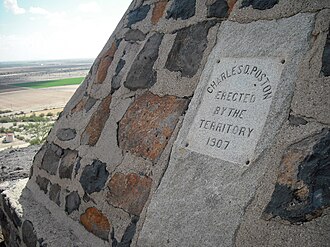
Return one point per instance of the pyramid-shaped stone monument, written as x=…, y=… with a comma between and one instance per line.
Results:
x=200, y=123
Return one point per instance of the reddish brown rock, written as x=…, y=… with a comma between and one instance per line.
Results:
x=105, y=62
x=95, y=126
x=149, y=123
x=79, y=106
x=84, y=103
x=96, y=222
x=129, y=192
x=158, y=11
x=231, y=4
x=289, y=167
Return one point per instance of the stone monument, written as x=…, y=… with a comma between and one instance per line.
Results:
x=200, y=123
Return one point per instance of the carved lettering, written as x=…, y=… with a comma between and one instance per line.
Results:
x=249, y=70
x=234, y=108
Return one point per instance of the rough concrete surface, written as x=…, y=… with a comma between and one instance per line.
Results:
x=313, y=86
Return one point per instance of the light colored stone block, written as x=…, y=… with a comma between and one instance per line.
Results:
x=234, y=108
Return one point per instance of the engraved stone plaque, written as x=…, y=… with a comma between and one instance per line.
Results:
x=234, y=107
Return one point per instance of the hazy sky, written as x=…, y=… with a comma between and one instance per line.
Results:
x=56, y=29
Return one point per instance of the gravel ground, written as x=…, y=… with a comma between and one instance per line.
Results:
x=15, y=163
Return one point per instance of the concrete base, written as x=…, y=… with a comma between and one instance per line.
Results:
x=26, y=222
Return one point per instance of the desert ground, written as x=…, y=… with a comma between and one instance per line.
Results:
x=19, y=72
x=22, y=101
x=28, y=100
x=33, y=101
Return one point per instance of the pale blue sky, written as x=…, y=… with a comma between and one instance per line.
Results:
x=56, y=29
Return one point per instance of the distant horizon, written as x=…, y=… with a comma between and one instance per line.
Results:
x=42, y=60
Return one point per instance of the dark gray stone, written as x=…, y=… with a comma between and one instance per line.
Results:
x=42, y=243
x=54, y=194
x=14, y=239
x=296, y=121
x=2, y=216
x=29, y=236
x=31, y=172
x=11, y=213
x=72, y=202
x=137, y=15
x=134, y=35
x=94, y=177
x=40, y=154
x=183, y=9
x=187, y=51
x=129, y=233
x=57, y=149
x=141, y=74
x=120, y=65
x=218, y=9
x=6, y=206
x=90, y=103
x=67, y=162
x=9, y=232
x=326, y=57
x=259, y=4
x=115, y=83
x=303, y=196
x=66, y=134
x=5, y=203
x=43, y=183
x=3, y=226
x=16, y=220
x=118, y=42
x=86, y=198
x=51, y=159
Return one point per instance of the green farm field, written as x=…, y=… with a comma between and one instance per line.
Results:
x=52, y=83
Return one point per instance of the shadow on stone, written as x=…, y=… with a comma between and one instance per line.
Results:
x=302, y=190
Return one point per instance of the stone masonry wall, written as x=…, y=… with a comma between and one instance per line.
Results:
x=117, y=163
x=109, y=148
x=281, y=197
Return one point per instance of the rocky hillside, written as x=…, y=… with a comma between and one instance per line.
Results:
x=16, y=163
